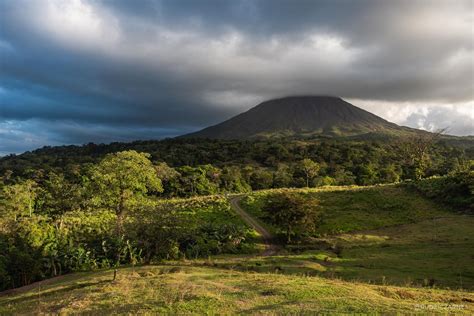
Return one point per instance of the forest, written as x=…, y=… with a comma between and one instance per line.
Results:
x=239, y=165
x=65, y=209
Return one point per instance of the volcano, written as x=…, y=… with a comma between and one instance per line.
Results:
x=300, y=116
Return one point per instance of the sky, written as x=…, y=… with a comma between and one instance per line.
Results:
x=79, y=71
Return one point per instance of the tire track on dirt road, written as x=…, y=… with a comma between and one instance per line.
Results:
x=270, y=248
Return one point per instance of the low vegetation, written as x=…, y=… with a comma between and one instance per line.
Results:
x=383, y=234
x=431, y=253
x=40, y=245
x=128, y=232
x=187, y=289
x=346, y=209
x=455, y=190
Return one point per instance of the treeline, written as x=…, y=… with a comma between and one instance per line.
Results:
x=196, y=167
x=61, y=191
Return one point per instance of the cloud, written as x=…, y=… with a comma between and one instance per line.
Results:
x=457, y=119
x=164, y=67
x=20, y=136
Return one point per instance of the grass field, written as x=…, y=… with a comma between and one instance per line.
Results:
x=432, y=253
x=381, y=249
x=187, y=289
x=346, y=209
x=382, y=235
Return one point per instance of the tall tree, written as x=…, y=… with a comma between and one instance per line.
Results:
x=310, y=169
x=195, y=180
x=293, y=212
x=122, y=180
x=18, y=199
x=416, y=151
x=233, y=181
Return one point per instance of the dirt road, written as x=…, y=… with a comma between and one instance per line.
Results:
x=267, y=237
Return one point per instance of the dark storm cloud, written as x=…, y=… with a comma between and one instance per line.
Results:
x=79, y=71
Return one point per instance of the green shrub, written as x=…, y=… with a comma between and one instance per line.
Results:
x=456, y=190
x=38, y=246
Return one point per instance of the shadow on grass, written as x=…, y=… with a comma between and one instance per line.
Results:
x=35, y=295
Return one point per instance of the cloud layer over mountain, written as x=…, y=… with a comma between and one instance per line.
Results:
x=80, y=71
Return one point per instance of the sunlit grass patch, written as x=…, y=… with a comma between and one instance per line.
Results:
x=384, y=235
x=211, y=290
x=347, y=209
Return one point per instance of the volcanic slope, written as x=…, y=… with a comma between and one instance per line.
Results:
x=300, y=116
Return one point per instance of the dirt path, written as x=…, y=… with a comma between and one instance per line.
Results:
x=267, y=237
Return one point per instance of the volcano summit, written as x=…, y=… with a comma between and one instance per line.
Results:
x=300, y=116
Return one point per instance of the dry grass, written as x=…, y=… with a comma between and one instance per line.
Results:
x=210, y=290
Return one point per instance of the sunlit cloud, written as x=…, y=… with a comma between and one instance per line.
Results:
x=167, y=67
x=456, y=118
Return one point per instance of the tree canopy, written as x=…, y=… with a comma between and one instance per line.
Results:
x=293, y=212
x=121, y=180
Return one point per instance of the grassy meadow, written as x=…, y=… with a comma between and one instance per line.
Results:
x=383, y=249
x=345, y=209
x=381, y=234
x=188, y=289
x=404, y=255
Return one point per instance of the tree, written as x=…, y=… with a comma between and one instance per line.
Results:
x=416, y=151
x=283, y=176
x=389, y=174
x=247, y=171
x=6, y=176
x=59, y=195
x=213, y=174
x=323, y=181
x=165, y=172
x=18, y=199
x=197, y=181
x=233, y=181
x=344, y=177
x=366, y=174
x=261, y=179
x=292, y=212
x=122, y=180
x=169, y=178
x=310, y=169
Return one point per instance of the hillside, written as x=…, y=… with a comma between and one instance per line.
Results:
x=302, y=116
x=381, y=234
x=403, y=254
